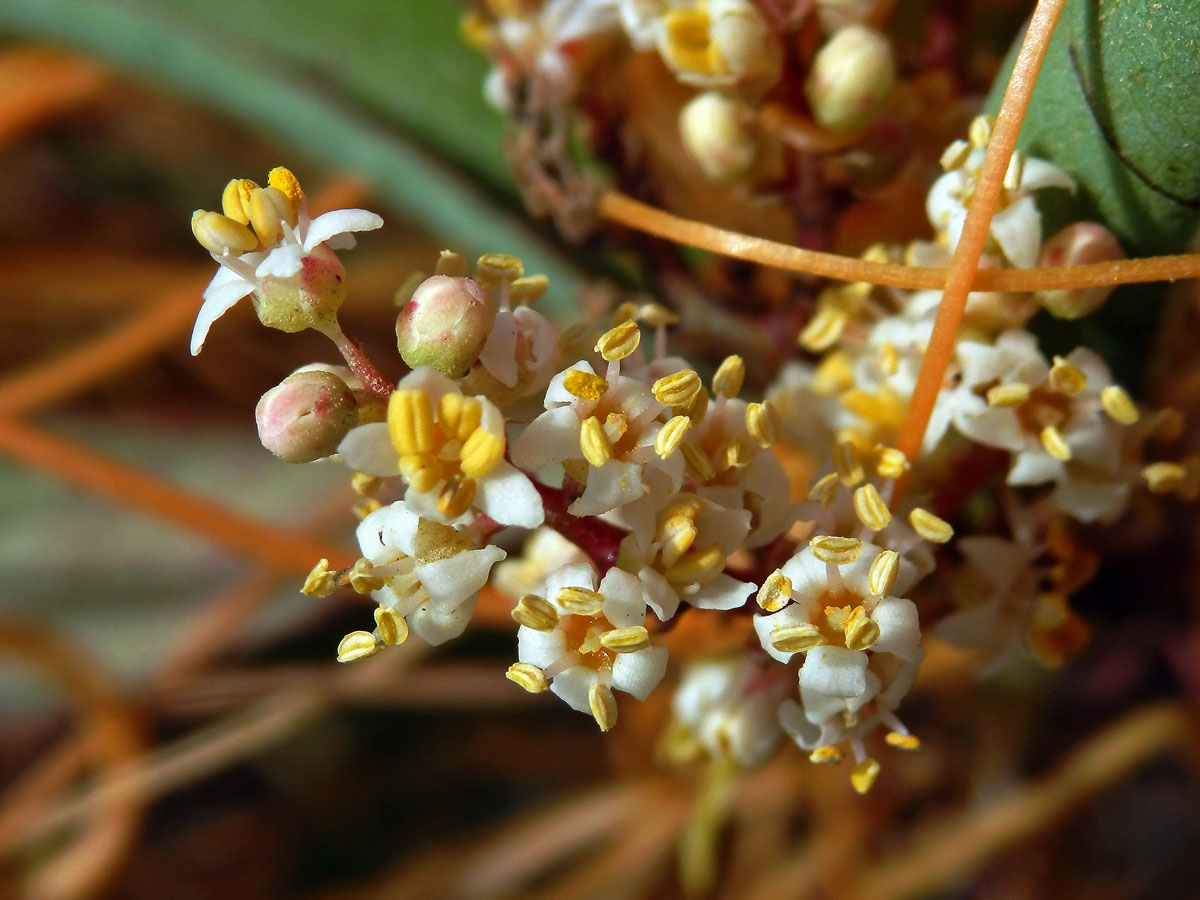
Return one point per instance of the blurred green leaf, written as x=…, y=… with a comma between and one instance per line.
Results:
x=1118, y=106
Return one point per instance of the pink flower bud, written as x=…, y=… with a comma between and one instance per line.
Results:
x=305, y=416
x=445, y=324
x=1077, y=244
x=309, y=299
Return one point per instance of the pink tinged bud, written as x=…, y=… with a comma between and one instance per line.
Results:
x=445, y=324
x=1078, y=244
x=309, y=299
x=305, y=416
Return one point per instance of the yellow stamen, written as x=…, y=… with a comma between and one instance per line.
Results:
x=979, y=132
x=283, y=180
x=1015, y=172
x=700, y=465
x=365, y=485
x=825, y=755
x=410, y=422
x=955, y=155
x=776, y=592
x=449, y=263
x=356, y=645
x=891, y=463
x=685, y=40
x=847, y=463
x=839, y=551
x=735, y=455
x=626, y=640
x=268, y=209
x=929, y=526
x=677, y=534
x=584, y=385
x=823, y=329
x=1055, y=444
x=236, y=199
x=321, y=581
x=697, y=568
x=881, y=577
x=528, y=289
x=824, y=489
x=1118, y=405
x=456, y=497
x=902, y=741
x=863, y=776
x=870, y=508
x=1012, y=393
x=496, y=268
x=362, y=577
x=421, y=471
x=670, y=436
x=762, y=422
x=889, y=359
x=1066, y=378
x=535, y=612
x=1164, y=477
x=365, y=507
x=221, y=235
x=603, y=705
x=579, y=601
x=528, y=676
x=796, y=638
x=677, y=389
x=480, y=453
x=861, y=632
x=459, y=416
x=593, y=442
x=656, y=315
x=618, y=343
x=728, y=378
x=393, y=629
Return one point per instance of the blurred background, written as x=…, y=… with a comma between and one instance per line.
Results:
x=172, y=723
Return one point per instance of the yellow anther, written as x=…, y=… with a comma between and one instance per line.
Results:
x=321, y=581
x=698, y=406
x=1055, y=444
x=902, y=741
x=825, y=755
x=1066, y=377
x=889, y=359
x=362, y=577
x=603, y=706
x=476, y=31
x=365, y=507
x=1012, y=393
x=528, y=676
x=880, y=407
x=494, y=268
x=624, y=312
x=528, y=289
x=881, y=577
x=861, y=633
x=735, y=455
x=824, y=489
x=393, y=629
x=1015, y=173
x=699, y=464
x=677, y=389
x=1164, y=477
x=480, y=453
x=863, y=775
x=688, y=505
x=356, y=645
x=584, y=385
x=221, y=235
x=955, y=155
x=870, y=508
x=834, y=549
x=410, y=422
x=235, y=200
x=268, y=209
x=1118, y=405
x=848, y=463
x=579, y=601
x=450, y=263
x=365, y=485
x=891, y=463
x=728, y=378
x=619, y=342
x=762, y=422
x=670, y=436
x=796, y=638
x=776, y=592
x=283, y=180
x=593, y=442
x=834, y=374
x=459, y=416
x=626, y=640
x=700, y=567
x=421, y=471
x=823, y=329
x=535, y=612
x=929, y=526
x=656, y=315
x=456, y=497
x=677, y=534
x=979, y=132
x=685, y=41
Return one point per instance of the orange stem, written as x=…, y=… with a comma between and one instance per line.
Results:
x=964, y=265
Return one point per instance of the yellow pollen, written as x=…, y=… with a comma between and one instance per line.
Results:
x=796, y=638
x=823, y=329
x=284, y=181
x=619, y=342
x=1164, y=477
x=700, y=465
x=700, y=567
x=954, y=156
x=863, y=775
x=268, y=209
x=236, y=198
x=410, y=422
x=528, y=676
x=221, y=235
x=870, y=508
x=839, y=551
x=902, y=741
x=356, y=645
x=824, y=489
x=626, y=640
x=825, y=755
x=847, y=463
x=584, y=385
x=459, y=416
x=677, y=389
x=1118, y=405
x=1066, y=378
x=603, y=706
x=421, y=471
x=1055, y=444
x=728, y=378
x=1013, y=393
x=929, y=526
x=535, y=612
x=762, y=422
x=881, y=577
x=670, y=436
x=891, y=463
x=480, y=453
x=593, y=442
x=321, y=581
x=456, y=497
x=393, y=629
x=580, y=601
x=861, y=632
x=776, y=592
x=362, y=577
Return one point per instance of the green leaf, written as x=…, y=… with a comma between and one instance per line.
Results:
x=1118, y=106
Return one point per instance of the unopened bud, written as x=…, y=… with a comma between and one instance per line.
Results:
x=305, y=416
x=445, y=324
x=850, y=79
x=715, y=135
x=1077, y=244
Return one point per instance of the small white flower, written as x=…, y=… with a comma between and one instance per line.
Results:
x=729, y=707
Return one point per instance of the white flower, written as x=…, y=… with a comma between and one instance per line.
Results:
x=729, y=707
x=719, y=43
x=432, y=574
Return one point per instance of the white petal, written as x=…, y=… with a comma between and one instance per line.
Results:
x=339, y=221
x=509, y=497
x=573, y=684
x=809, y=576
x=499, y=354
x=658, y=593
x=282, y=262
x=1038, y=173
x=451, y=580
x=979, y=626
x=834, y=672
x=571, y=575
x=390, y=528
x=221, y=295
x=639, y=673
x=723, y=592
x=899, y=628
x=549, y=439
x=369, y=449
x=556, y=393
x=540, y=648
x=1092, y=500
x=609, y=486
x=1035, y=466
x=796, y=724
x=623, y=603
x=765, y=626
x=1018, y=231
x=436, y=623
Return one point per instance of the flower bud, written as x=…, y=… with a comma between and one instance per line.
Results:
x=851, y=77
x=310, y=298
x=445, y=324
x=744, y=40
x=1077, y=244
x=716, y=137
x=305, y=416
